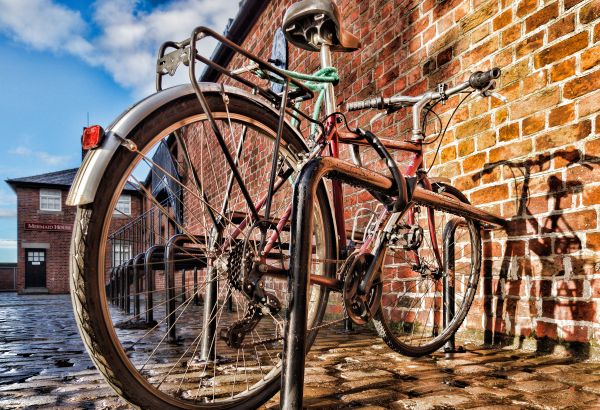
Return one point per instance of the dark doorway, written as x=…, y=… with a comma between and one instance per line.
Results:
x=35, y=268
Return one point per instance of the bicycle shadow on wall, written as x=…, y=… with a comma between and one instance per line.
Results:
x=543, y=267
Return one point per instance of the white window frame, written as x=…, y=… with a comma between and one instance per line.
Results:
x=123, y=206
x=53, y=194
x=122, y=252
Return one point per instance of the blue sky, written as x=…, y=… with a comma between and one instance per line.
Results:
x=65, y=59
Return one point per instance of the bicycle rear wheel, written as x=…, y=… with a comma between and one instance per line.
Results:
x=161, y=299
x=411, y=318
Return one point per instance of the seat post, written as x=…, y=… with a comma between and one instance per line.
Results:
x=329, y=93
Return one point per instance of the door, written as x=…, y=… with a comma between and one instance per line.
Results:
x=35, y=268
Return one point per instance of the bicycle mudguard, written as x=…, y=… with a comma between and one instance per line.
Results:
x=86, y=182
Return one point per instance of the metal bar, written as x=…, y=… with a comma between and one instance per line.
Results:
x=275, y=158
x=238, y=154
x=137, y=262
x=150, y=285
x=169, y=257
x=183, y=289
x=127, y=289
x=215, y=128
x=294, y=348
x=196, y=298
x=208, y=351
x=426, y=197
x=448, y=279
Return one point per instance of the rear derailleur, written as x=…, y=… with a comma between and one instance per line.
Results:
x=245, y=276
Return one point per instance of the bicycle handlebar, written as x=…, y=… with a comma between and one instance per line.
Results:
x=478, y=81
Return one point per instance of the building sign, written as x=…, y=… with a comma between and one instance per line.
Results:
x=35, y=226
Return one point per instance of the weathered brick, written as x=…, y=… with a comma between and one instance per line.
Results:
x=590, y=58
x=510, y=151
x=481, y=14
x=541, y=17
x=561, y=49
x=530, y=44
x=561, y=115
x=563, y=136
x=562, y=70
x=502, y=20
x=466, y=146
x=533, y=124
x=571, y=3
x=591, y=195
x=480, y=52
x=511, y=34
x=515, y=72
x=534, y=82
x=488, y=194
x=473, y=126
x=474, y=162
x=535, y=102
x=589, y=105
x=509, y=132
x=525, y=7
x=486, y=140
x=562, y=27
x=589, y=12
x=583, y=85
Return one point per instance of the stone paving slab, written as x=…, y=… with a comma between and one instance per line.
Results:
x=43, y=364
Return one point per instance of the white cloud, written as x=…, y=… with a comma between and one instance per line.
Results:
x=8, y=243
x=8, y=213
x=7, y=198
x=43, y=24
x=128, y=38
x=43, y=156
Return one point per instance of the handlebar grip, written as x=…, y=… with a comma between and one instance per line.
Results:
x=376, y=102
x=481, y=79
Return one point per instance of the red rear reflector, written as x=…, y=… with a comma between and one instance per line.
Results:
x=92, y=137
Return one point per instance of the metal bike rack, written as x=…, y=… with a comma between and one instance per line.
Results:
x=173, y=252
x=311, y=174
x=448, y=281
x=294, y=348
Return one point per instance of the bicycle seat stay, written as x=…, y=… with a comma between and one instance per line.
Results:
x=309, y=24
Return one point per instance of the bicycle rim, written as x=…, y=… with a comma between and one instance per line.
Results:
x=411, y=319
x=169, y=361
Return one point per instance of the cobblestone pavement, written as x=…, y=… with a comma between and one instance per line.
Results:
x=43, y=365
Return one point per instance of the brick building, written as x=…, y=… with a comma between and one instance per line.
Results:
x=44, y=225
x=533, y=160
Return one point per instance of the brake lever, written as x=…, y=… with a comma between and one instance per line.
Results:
x=382, y=114
x=489, y=92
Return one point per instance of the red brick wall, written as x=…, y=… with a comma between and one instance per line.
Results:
x=541, y=148
x=7, y=278
x=57, y=263
x=57, y=255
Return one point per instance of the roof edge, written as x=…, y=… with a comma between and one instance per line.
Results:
x=239, y=29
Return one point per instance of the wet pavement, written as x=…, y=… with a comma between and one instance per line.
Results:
x=43, y=364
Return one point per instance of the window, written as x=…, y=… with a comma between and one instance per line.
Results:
x=121, y=252
x=123, y=205
x=50, y=200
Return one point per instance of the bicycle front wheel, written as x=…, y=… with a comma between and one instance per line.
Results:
x=423, y=303
x=179, y=293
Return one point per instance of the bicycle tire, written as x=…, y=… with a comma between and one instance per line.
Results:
x=413, y=300
x=93, y=314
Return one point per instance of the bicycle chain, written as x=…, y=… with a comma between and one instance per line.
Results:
x=277, y=339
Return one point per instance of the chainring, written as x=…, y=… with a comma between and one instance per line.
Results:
x=360, y=308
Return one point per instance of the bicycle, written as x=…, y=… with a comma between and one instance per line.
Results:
x=219, y=165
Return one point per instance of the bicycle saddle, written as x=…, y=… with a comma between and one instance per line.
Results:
x=310, y=23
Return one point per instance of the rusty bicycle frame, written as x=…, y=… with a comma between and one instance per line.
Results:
x=299, y=213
